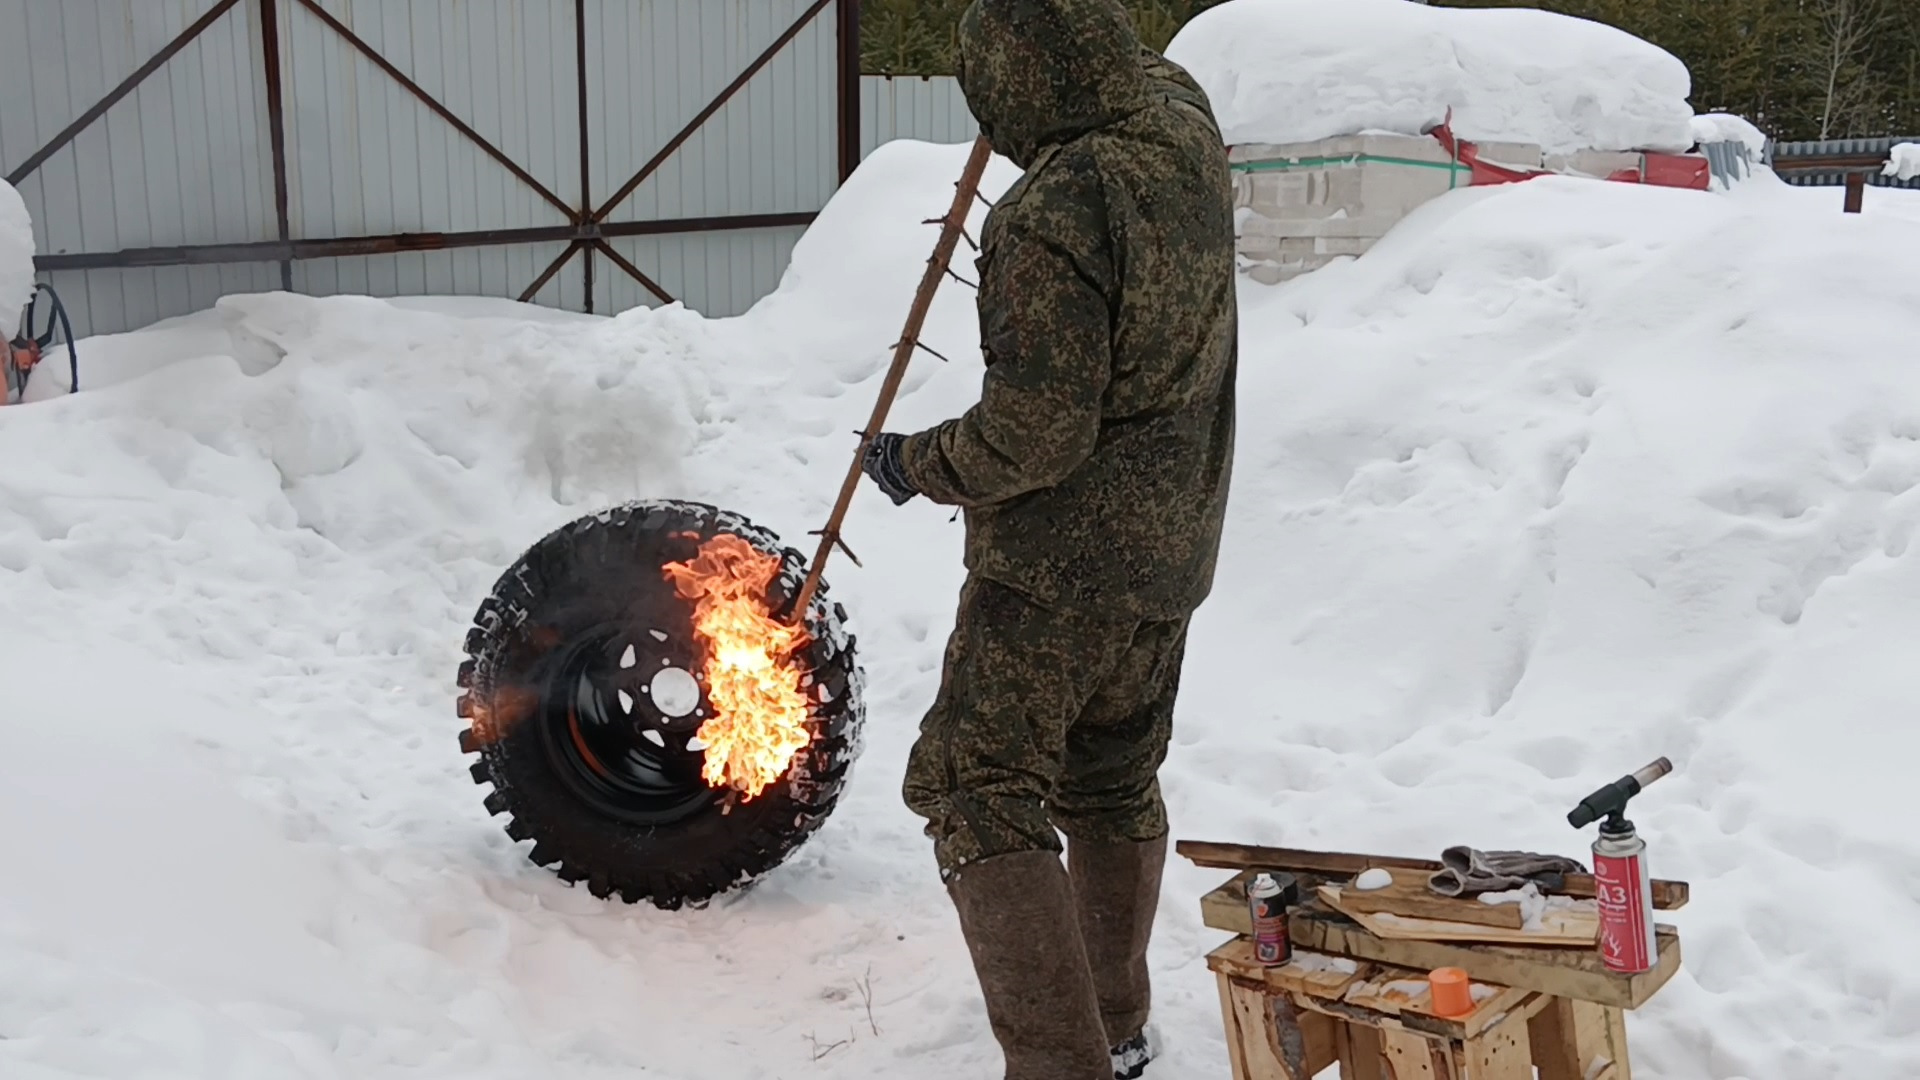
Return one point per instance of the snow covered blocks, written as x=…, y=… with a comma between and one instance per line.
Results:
x=1299, y=206
x=1302, y=205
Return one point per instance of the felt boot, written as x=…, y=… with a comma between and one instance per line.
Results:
x=1117, y=890
x=1017, y=914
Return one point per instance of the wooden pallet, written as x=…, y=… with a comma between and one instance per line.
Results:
x=1358, y=1000
x=1573, y=973
x=1376, y=1024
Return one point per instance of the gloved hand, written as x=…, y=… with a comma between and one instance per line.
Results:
x=883, y=466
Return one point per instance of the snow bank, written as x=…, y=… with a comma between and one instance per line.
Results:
x=1726, y=127
x=1284, y=71
x=16, y=259
x=1560, y=477
x=1903, y=162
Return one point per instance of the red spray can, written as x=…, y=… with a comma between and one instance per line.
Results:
x=1622, y=886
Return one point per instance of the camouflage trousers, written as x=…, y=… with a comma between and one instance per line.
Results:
x=1045, y=720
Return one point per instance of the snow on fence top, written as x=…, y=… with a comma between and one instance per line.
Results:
x=16, y=259
x=1289, y=71
x=1903, y=161
x=1728, y=128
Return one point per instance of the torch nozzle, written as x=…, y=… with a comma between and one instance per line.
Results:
x=1611, y=801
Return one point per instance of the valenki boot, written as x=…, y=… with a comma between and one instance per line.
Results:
x=1117, y=891
x=1017, y=914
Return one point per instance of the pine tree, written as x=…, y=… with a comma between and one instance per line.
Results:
x=1796, y=68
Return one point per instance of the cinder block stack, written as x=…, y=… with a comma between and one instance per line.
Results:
x=1302, y=205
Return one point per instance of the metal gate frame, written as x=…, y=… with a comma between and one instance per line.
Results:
x=587, y=230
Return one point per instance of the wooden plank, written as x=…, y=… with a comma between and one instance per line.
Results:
x=1267, y=1051
x=1230, y=1019
x=1357, y=1048
x=1375, y=994
x=1412, y=1056
x=1236, y=958
x=1580, y=929
x=1409, y=895
x=1602, y=1035
x=1574, y=973
x=1393, y=993
x=1501, y=1053
x=1314, y=1032
x=1667, y=895
x=1556, y=1054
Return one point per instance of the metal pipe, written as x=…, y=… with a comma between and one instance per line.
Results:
x=951, y=227
x=395, y=243
x=276, y=127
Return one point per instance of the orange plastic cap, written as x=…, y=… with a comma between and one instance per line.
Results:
x=1452, y=992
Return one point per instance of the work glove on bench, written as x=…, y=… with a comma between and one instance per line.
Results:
x=883, y=465
x=1470, y=872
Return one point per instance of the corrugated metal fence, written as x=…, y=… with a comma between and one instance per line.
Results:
x=171, y=151
x=1828, y=162
x=928, y=108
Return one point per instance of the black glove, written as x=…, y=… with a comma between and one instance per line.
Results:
x=883, y=466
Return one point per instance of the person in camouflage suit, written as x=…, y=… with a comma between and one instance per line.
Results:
x=1093, y=475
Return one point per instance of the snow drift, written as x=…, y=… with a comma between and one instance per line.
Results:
x=1903, y=161
x=16, y=259
x=1726, y=127
x=1560, y=477
x=1287, y=71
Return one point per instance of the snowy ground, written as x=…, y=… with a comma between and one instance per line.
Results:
x=1560, y=477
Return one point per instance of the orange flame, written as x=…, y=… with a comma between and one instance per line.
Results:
x=760, y=712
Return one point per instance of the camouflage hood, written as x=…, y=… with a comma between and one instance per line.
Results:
x=1038, y=73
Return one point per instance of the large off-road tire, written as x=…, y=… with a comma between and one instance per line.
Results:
x=582, y=759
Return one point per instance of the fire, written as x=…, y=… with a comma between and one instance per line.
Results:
x=760, y=712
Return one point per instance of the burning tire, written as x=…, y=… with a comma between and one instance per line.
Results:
x=645, y=715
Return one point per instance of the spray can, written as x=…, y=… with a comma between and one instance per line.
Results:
x=1625, y=894
x=1268, y=896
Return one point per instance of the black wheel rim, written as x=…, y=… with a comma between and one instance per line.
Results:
x=612, y=746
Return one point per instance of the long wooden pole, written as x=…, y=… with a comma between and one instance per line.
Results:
x=951, y=227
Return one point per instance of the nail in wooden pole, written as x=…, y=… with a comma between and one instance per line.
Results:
x=951, y=227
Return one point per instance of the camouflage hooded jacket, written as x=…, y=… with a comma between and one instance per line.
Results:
x=1094, y=469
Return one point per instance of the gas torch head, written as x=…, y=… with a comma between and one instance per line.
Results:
x=1611, y=801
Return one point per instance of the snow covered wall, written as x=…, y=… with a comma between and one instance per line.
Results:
x=16, y=259
x=1560, y=477
x=1293, y=71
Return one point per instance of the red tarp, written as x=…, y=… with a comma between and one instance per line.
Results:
x=1664, y=170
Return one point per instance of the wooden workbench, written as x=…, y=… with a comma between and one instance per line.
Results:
x=1359, y=1001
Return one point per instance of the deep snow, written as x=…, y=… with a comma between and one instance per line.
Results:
x=1726, y=127
x=1559, y=477
x=1285, y=71
x=16, y=259
x=1903, y=161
